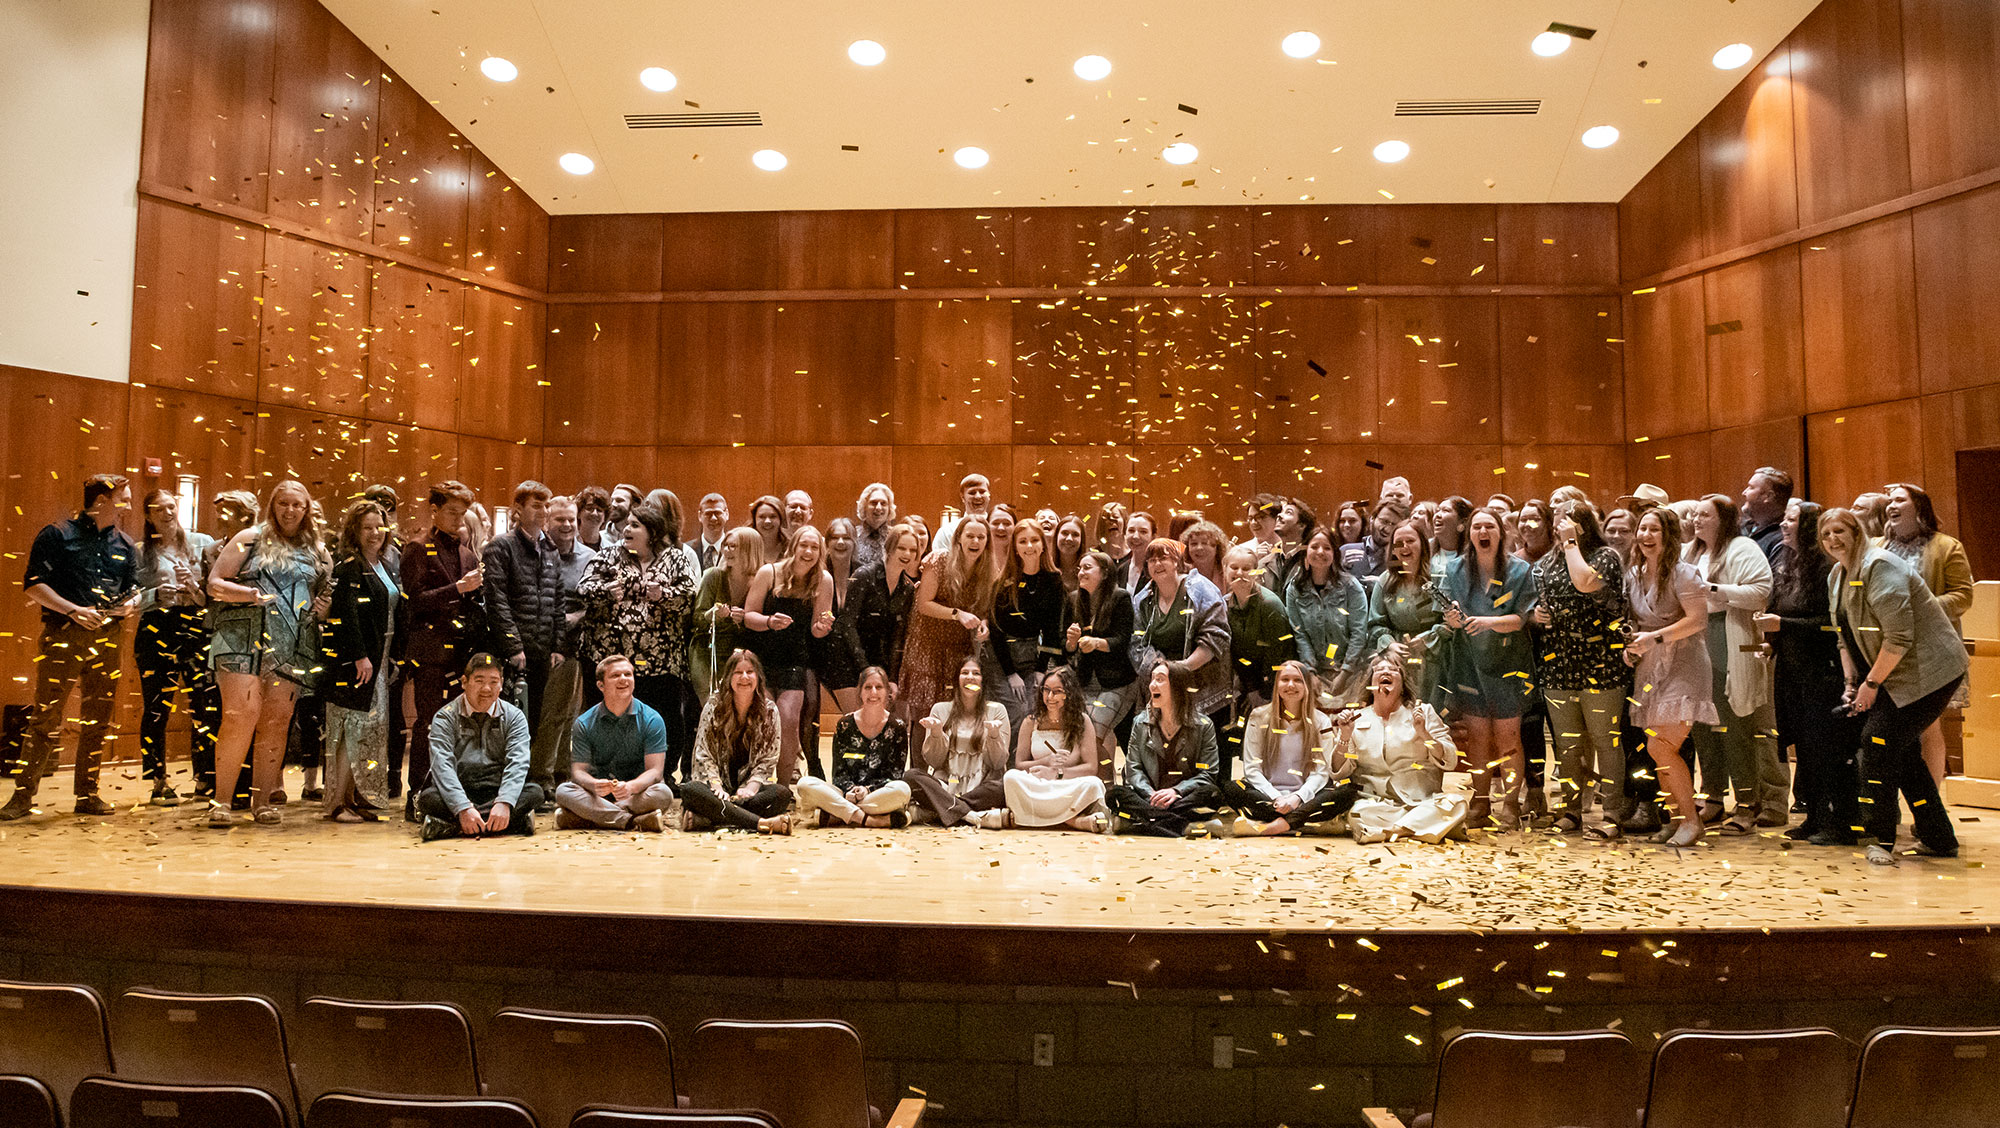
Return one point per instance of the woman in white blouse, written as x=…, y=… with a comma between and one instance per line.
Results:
x=1291, y=775
x=1054, y=781
x=964, y=753
x=1399, y=751
x=1739, y=752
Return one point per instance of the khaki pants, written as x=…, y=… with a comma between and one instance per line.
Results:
x=816, y=794
x=606, y=811
x=1586, y=727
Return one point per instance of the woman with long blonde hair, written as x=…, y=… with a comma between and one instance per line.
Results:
x=265, y=647
x=790, y=604
x=719, y=604
x=1290, y=774
x=1668, y=650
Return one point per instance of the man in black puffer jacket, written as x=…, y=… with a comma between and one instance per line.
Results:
x=524, y=600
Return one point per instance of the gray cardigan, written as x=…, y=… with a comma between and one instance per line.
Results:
x=1887, y=604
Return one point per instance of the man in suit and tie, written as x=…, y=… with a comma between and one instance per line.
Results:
x=713, y=514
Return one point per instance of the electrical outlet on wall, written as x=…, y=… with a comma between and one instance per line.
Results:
x=1045, y=1049
x=1225, y=1051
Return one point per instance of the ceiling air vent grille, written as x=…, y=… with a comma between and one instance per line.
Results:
x=692, y=121
x=1488, y=107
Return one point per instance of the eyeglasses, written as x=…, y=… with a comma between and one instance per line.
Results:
x=1054, y=691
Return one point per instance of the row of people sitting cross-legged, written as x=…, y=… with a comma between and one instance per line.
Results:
x=1379, y=765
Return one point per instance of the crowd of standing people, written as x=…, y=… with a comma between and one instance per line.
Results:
x=1712, y=665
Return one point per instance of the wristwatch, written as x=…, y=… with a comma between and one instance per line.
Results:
x=1871, y=683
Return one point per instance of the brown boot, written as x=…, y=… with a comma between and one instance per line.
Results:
x=1479, y=813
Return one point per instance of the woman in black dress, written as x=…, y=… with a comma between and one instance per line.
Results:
x=879, y=599
x=791, y=603
x=834, y=656
x=1027, y=621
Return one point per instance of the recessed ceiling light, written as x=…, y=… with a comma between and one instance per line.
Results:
x=972, y=156
x=658, y=79
x=1732, y=56
x=1090, y=68
x=1600, y=136
x=499, y=69
x=1550, y=44
x=1389, y=152
x=1300, y=45
x=867, y=52
x=576, y=164
x=1180, y=152
x=770, y=160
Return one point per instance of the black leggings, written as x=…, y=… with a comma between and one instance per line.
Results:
x=1824, y=746
x=1892, y=761
x=172, y=653
x=770, y=801
x=1333, y=801
x=1136, y=815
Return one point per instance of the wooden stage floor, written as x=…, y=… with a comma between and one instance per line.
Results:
x=930, y=877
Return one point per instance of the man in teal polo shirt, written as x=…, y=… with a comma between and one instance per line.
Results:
x=618, y=760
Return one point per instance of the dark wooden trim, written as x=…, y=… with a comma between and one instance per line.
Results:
x=1377, y=967
x=181, y=197
x=1821, y=229
x=1121, y=293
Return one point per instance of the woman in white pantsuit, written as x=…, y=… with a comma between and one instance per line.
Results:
x=1400, y=750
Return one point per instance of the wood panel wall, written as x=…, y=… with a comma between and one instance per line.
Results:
x=1164, y=357
x=331, y=285
x=1809, y=273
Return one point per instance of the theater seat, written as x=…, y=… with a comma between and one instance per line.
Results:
x=370, y=1110
x=27, y=1103
x=54, y=1033
x=1500, y=1079
x=188, y=1039
x=388, y=1047
x=111, y=1102
x=1773, y=1078
x=557, y=1063
x=1937, y=1077
x=601, y=1117
x=805, y=1074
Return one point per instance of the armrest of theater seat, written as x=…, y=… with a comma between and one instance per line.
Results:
x=909, y=1113
x=1379, y=1118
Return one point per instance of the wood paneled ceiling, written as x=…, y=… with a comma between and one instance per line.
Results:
x=998, y=75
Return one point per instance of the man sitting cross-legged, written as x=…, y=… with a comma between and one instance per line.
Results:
x=619, y=754
x=479, y=762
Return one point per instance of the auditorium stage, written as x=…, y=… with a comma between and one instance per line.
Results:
x=930, y=877
x=1232, y=983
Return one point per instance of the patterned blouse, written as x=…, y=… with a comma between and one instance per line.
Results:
x=619, y=619
x=1581, y=648
x=869, y=761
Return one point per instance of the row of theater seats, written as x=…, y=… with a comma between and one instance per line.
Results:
x=1905, y=1077
x=189, y=1061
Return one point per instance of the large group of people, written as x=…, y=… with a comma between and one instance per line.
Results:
x=1682, y=668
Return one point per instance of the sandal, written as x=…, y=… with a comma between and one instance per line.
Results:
x=779, y=824
x=269, y=816
x=1605, y=831
x=1568, y=824
x=1740, y=824
x=219, y=816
